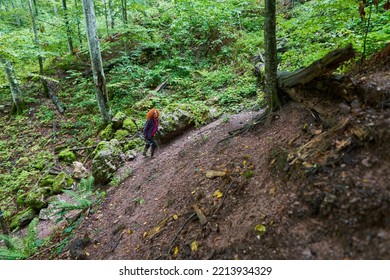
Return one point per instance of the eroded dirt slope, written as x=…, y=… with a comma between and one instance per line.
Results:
x=252, y=203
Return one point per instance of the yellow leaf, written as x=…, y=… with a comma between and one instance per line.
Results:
x=175, y=217
x=244, y=162
x=218, y=194
x=260, y=230
x=130, y=231
x=307, y=164
x=176, y=250
x=145, y=234
x=194, y=246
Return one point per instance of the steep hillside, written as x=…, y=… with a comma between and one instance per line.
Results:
x=208, y=197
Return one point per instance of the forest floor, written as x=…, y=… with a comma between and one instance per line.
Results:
x=250, y=202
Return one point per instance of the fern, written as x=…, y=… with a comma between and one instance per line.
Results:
x=82, y=198
x=20, y=248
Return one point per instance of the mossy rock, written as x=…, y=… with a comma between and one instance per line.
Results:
x=23, y=218
x=107, y=133
x=135, y=144
x=36, y=198
x=117, y=120
x=121, y=134
x=47, y=181
x=106, y=160
x=177, y=118
x=67, y=156
x=21, y=199
x=62, y=181
x=129, y=125
x=39, y=165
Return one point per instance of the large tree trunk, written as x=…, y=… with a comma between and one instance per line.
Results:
x=96, y=60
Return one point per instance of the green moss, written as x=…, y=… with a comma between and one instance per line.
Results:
x=129, y=125
x=22, y=218
x=36, y=198
x=21, y=200
x=62, y=181
x=67, y=156
x=121, y=134
x=133, y=144
x=107, y=133
x=47, y=181
x=117, y=120
x=112, y=145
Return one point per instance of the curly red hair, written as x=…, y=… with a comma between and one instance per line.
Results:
x=150, y=114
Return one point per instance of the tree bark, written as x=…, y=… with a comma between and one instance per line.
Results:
x=96, y=60
x=40, y=61
x=68, y=29
x=328, y=63
x=124, y=11
x=271, y=63
x=18, y=104
x=316, y=89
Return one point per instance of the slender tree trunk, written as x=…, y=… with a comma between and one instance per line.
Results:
x=106, y=16
x=17, y=19
x=111, y=14
x=18, y=104
x=35, y=7
x=96, y=60
x=55, y=10
x=78, y=24
x=40, y=61
x=124, y=11
x=68, y=29
x=271, y=63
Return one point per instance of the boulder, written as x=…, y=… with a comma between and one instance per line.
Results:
x=117, y=120
x=107, y=158
x=61, y=181
x=79, y=171
x=23, y=218
x=177, y=118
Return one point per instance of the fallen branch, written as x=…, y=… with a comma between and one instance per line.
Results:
x=242, y=130
x=178, y=232
x=224, y=197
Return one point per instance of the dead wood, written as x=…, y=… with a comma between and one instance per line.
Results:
x=178, y=232
x=323, y=66
x=202, y=218
x=314, y=88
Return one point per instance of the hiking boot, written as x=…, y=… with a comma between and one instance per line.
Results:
x=145, y=151
x=152, y=152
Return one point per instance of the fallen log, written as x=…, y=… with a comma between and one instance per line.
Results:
x=315, y=88
x=325, y=65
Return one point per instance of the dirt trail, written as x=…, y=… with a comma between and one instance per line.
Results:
x=161, y=192
x=256, y=206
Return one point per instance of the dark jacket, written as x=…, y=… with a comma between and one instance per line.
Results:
x=148, y=128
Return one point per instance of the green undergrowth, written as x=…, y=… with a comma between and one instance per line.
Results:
x=199, y=52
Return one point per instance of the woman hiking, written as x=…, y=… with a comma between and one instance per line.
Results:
x=150, y=129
